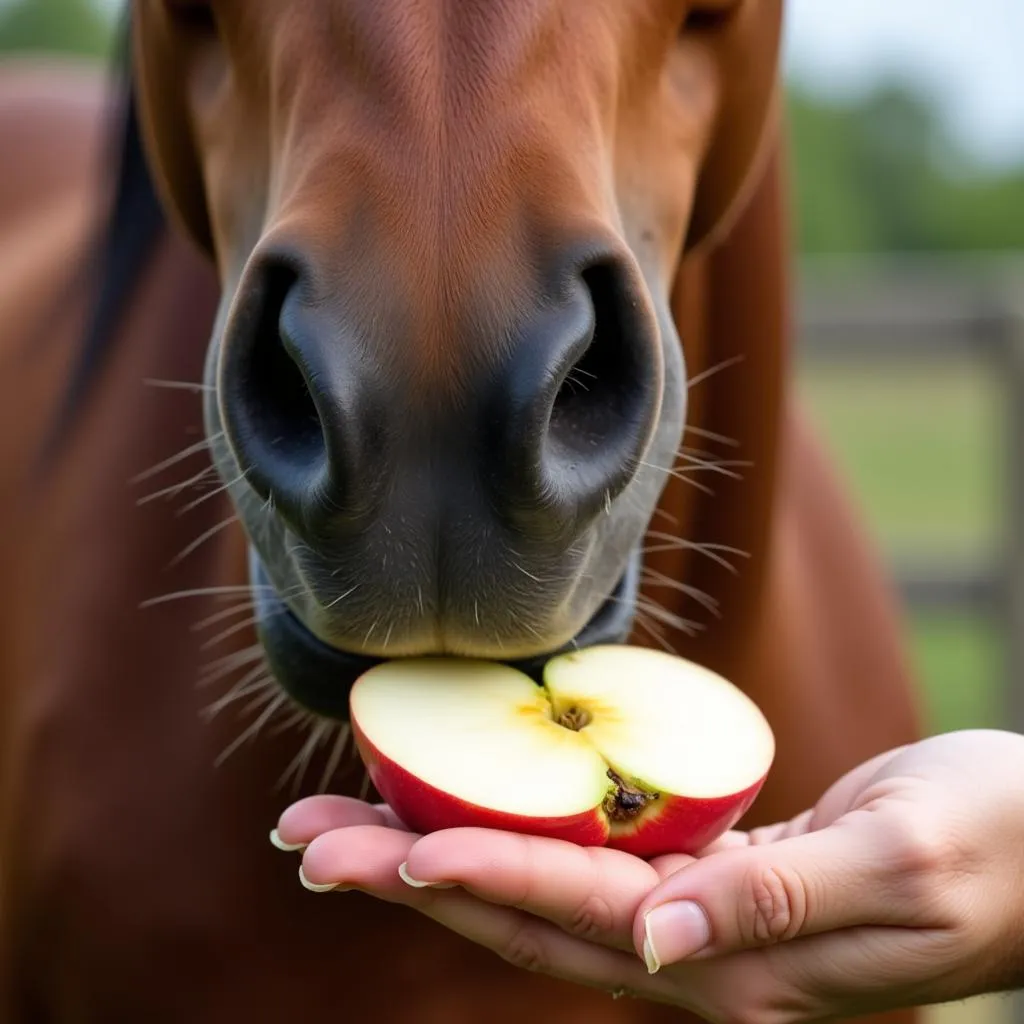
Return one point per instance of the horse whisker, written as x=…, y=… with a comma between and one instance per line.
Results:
x=710, y=435
x=230, y=631
x=184, y=385
x=712, y=370
x=175, y=489
x=664, y=616
x=192, y=449
x=212, y=494
x=201, y=539
x=344, y=733
x=674, y=543
x=254, y=680
x=298, y=716
x=341, y=597
x=659, y=579
x=679, y=475
x=227, y=664
x=301, y=761
x=226, y=591
x=225, y=614
x=253, y=730
x=695, y=463
x=652, y=630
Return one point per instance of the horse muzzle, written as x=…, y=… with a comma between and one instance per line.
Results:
x=319, y=676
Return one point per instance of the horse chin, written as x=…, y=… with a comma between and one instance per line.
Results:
x=319, y=677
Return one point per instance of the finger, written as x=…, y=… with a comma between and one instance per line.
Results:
x=760, y=836
x=669, y=863
x=364, y=857
x=838, y=877
x=875, y=967
x=857, y=971
x=590, y=892
x=304, y=820
x=535, y=945
x=368, y=858
x=836, y=802
x=821, y=977
x=842, y=795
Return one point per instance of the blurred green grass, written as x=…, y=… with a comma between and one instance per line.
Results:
x=920, y=446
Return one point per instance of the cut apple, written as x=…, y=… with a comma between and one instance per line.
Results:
x=622, y=746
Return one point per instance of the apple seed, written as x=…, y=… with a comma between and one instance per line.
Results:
x=575, y=718
x=625, y=802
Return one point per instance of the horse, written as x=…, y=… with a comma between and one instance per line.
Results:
x=340, y=332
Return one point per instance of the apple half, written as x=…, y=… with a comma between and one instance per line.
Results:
x=622, y=746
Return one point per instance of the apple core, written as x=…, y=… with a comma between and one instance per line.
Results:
x=575, y=718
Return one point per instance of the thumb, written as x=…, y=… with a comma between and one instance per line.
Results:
x=742, y=898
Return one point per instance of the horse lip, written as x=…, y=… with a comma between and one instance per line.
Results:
x=320, y=677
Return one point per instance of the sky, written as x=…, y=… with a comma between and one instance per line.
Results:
x=969, y=54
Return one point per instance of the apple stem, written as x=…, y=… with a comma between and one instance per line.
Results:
x=626, y=801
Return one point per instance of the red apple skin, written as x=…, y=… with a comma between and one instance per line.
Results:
x=424, y=808
x=673, y=824
x=677, y=824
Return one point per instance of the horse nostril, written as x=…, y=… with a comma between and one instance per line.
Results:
x=604, y=409
x=604, y=390
x=268, y=394
x=283, y=409
x=579, y=404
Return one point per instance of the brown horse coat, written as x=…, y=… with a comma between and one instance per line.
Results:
x=138, y=884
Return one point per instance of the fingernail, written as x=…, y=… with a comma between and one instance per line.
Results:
x=276, y=840
x=313, y=886
x=673, y=932
x=403, y=874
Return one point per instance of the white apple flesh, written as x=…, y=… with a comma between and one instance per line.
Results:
x=623, y=747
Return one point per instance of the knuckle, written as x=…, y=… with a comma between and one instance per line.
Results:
x=523, y=949
x=763, y=1015
x=768, y=1007
x=917, y=848
x=923, y=859
x=592, y=919
x=773, y=907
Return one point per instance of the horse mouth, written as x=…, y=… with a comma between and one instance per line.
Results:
x=319, y=677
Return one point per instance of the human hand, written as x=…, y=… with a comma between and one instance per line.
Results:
x=903, y=886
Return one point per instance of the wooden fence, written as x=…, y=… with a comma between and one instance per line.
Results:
x=929, y=309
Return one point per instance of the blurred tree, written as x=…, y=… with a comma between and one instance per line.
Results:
x=882, y=173
x=870, y=174
x=75, y=27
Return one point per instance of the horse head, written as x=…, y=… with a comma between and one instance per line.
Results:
x=445, y=387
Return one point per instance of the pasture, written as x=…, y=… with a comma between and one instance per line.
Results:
x=919, y=445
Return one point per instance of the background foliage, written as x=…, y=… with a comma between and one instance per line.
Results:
x=878, y=173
